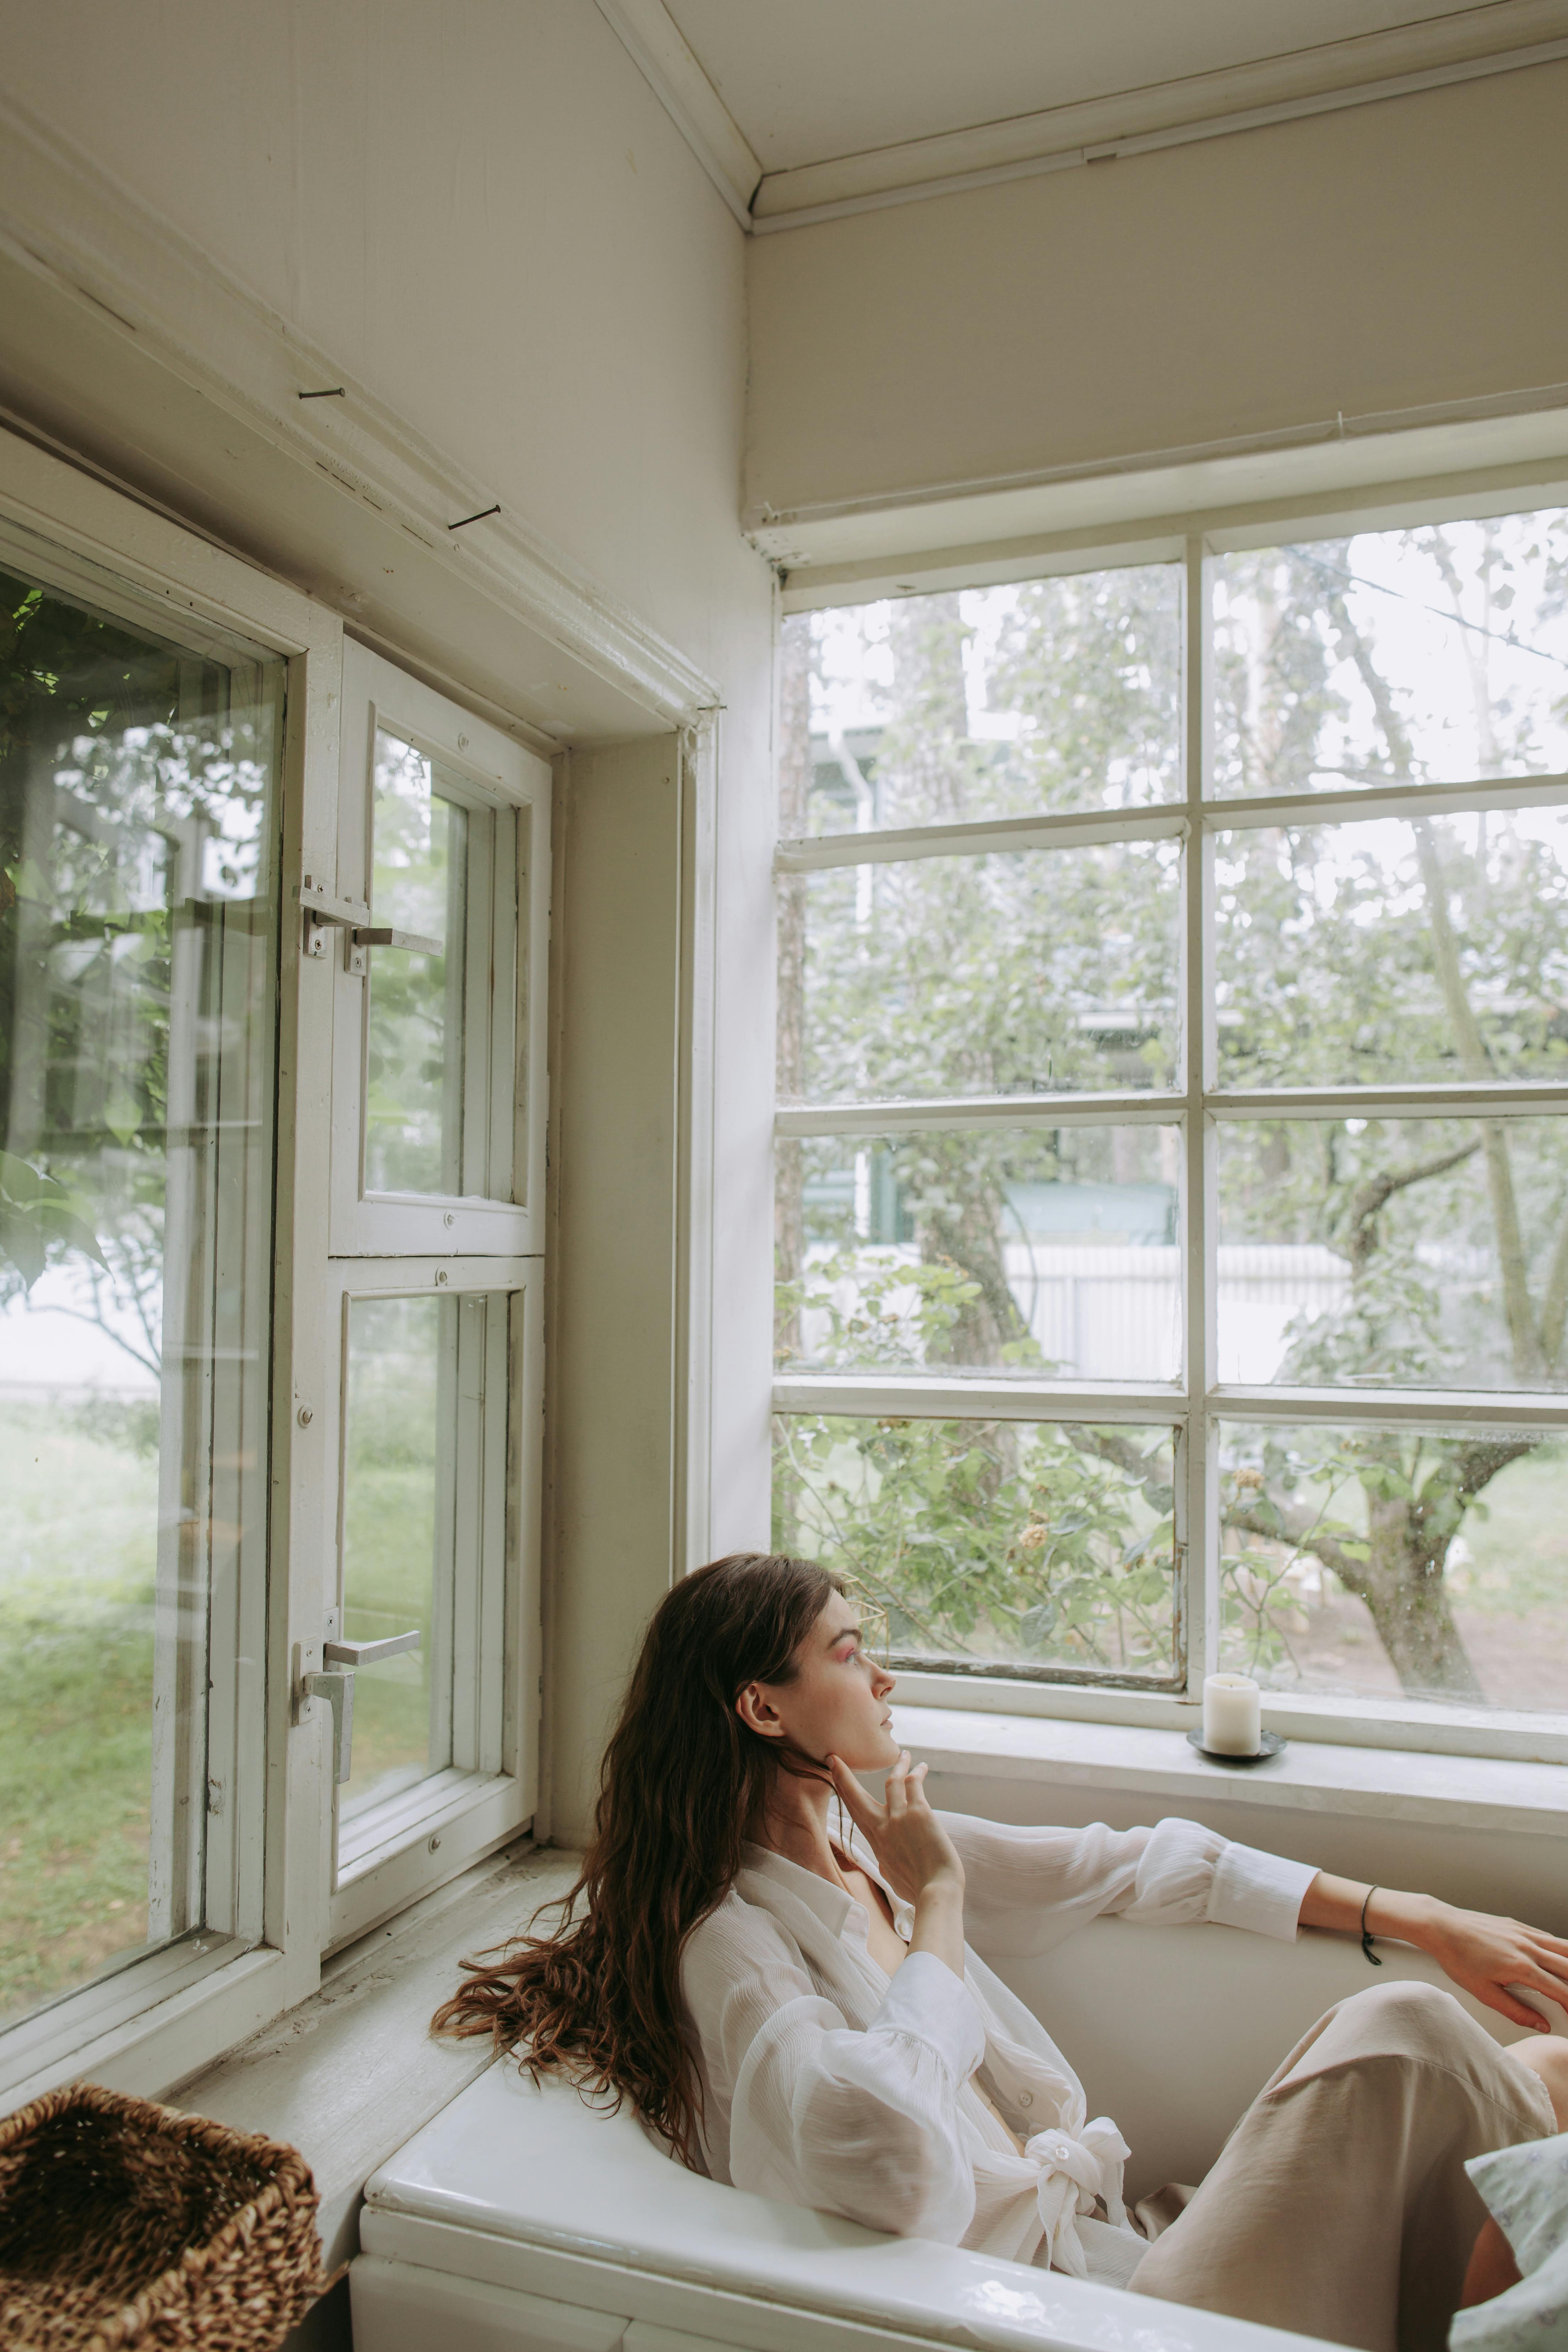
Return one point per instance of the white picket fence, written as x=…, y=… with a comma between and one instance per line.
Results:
x=1115, y=1313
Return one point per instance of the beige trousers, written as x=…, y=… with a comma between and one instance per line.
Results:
x=1339, y=2206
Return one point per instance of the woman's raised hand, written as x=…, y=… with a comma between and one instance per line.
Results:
x=914, y=1852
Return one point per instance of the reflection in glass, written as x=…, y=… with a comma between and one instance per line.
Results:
x=1433, y=655
x=1381, y=952
x=985, y=702
x=1032, y=1545
x=1032, y=971
x=138, y=949
x=1432, y=1562
x=1003, y=1250
x=397, y=1534
x=419, y=883
x=1388, y=1252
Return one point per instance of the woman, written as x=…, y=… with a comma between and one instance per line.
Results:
x=794, y=2006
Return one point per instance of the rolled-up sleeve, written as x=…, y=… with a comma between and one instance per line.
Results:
x=857, y=2122
x=1028, y=1889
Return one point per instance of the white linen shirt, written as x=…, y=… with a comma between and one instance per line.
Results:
x=828, y=2084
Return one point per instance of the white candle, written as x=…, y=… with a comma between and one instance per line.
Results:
x=1233, y=1714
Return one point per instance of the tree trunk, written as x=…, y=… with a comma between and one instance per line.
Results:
x=1408, y=1598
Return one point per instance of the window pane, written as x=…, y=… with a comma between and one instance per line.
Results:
x=1436, y=654
x=397, y=1511
x=1432, y=1562
x=986, y=703
x=444, y=870
x=1033, y=1545
x=1034, y=971
x=1393, y=1253
x=1003, y=1250
x=423, y=1540
x=1379, y=953
x=138, y=955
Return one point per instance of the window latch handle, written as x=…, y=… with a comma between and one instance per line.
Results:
x=372, y=935
x=370, y=1653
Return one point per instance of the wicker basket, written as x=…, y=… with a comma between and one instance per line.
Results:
x=125, y=2223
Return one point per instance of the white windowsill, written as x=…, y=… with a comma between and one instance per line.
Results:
x=1403, y=1726
x=1470, y=1792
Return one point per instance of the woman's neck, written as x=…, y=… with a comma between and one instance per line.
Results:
x=794, y=1824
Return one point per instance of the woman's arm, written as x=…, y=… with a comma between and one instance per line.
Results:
x=1483, y=1955
x=1026, y=1890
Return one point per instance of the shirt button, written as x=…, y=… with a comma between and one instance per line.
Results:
x=1025, y=2098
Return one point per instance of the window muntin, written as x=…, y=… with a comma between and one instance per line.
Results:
x=949, y=705
x=1363, y=992
x=1047, y=1548
x=1004, y=1251
x=138, y=1020
x=1019, y=973
x=1393, y=952
x=1433, y=654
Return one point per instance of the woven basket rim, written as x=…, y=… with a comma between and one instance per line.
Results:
x=173, y=2123
x=290, y=2181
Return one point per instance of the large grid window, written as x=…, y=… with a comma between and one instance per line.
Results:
x=1172, y=1177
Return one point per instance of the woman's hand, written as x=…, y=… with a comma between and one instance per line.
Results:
x=1482, y=1955
x=914, y=1853
x=1485, y=1955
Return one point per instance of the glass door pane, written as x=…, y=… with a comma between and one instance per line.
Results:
x=138, y=959
x=443, y=875
x=423, y=1547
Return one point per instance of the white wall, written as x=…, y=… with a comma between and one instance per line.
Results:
x=1386, y=258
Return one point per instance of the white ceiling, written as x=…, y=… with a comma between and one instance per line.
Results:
x=807, y=80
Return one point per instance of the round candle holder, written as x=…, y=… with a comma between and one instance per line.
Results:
x=1270, y=1744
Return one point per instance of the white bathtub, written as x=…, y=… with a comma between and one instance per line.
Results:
x=519, y=2222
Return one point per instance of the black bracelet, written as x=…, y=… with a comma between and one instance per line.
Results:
x=1365, y=1937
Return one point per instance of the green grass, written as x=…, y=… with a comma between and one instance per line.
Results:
x=77, y=1571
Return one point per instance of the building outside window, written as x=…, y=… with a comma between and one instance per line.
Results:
x=1172, y=1162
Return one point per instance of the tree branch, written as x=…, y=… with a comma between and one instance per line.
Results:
x=1368, y=1199
x=1301, y=1536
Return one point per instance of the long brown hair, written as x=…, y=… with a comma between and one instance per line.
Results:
x=683, y=1783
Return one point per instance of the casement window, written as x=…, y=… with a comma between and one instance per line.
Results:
x=433, y=1422
x=1171, y=1158
x=273, y=928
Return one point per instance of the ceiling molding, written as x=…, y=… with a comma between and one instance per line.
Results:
x=660, y=51
x=66, y=220
x=1500, y=36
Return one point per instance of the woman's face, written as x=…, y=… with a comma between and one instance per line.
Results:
x=836, y=1703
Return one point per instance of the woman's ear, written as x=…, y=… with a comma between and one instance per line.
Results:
x=758, y=1713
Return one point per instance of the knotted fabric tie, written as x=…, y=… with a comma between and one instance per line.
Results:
x=1074, y=2170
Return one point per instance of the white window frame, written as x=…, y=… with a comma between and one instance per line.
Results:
x=501, y=774
x=158, y=2016
x=408, y=1245
x=1193, y=1405
x=398, y=1851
